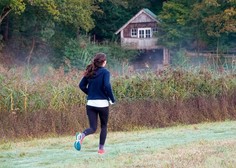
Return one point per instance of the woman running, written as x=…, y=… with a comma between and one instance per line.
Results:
x=96, y=85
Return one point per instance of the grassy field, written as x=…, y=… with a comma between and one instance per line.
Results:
x=200, y=146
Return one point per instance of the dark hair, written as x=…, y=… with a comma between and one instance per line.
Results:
x=97, y=62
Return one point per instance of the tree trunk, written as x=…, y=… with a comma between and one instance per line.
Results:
x=217, y=47
x=6, y=29
x=78, y=33
x=31, y=51
x=4, y=13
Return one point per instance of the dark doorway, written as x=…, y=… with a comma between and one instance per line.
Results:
x=148, y=59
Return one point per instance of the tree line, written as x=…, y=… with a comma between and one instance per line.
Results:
x=199, y=25
x=55, y=29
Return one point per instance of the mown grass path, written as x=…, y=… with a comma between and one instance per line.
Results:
x=201, y=145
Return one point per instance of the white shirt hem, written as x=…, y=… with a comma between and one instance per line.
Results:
x=98, y=103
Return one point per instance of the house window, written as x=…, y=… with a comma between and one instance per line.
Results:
x=141, y=33
x=148, y=33
x=154, y=30
x=134, y=32
x=144, y=33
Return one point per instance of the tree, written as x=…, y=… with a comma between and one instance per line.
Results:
x=77, y=13
x=218, y=19
x=174, y=29
x=6, y=6
x=36, y=24
x=112, y=15
x=204, y=21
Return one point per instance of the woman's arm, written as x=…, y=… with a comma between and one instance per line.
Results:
x=83, y=85
x=107, y=86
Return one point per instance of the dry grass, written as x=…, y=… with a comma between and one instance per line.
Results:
x=129, y=115
x=202, y=154
x=34, y=104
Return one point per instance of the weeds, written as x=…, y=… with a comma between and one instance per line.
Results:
x=32, y=104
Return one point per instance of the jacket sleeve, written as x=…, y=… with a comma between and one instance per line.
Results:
x=107, y=86
x=83, y=85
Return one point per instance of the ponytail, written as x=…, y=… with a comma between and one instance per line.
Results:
x=97, y=62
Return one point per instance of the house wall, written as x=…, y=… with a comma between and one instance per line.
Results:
x=127, y=29
x=137, y=43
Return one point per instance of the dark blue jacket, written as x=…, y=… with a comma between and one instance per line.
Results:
x=98, y=86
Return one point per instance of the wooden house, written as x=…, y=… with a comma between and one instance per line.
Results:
x=140, y=33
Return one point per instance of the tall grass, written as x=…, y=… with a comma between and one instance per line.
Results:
x=174, y=84
x=25, y=90
x=33, y=104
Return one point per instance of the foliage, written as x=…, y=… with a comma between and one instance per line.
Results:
x=180, y=59
x=77, y=13
x=35, y=29
x=80, y=53
x=174, y=28
x=220, y=17
x=173, y=85
x=108, y=21
x=209, y=21
x=26, y=90
x=6, y=6
x=77, y=54
x=218, y=20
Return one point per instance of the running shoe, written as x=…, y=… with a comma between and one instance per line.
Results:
x=101, y=151
x=79, y=137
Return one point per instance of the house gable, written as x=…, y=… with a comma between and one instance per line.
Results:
x=145, y=15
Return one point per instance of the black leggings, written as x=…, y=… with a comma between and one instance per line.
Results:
x=93, y=113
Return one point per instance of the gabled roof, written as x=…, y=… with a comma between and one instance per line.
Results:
x=146, y=11
x=150, y=13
